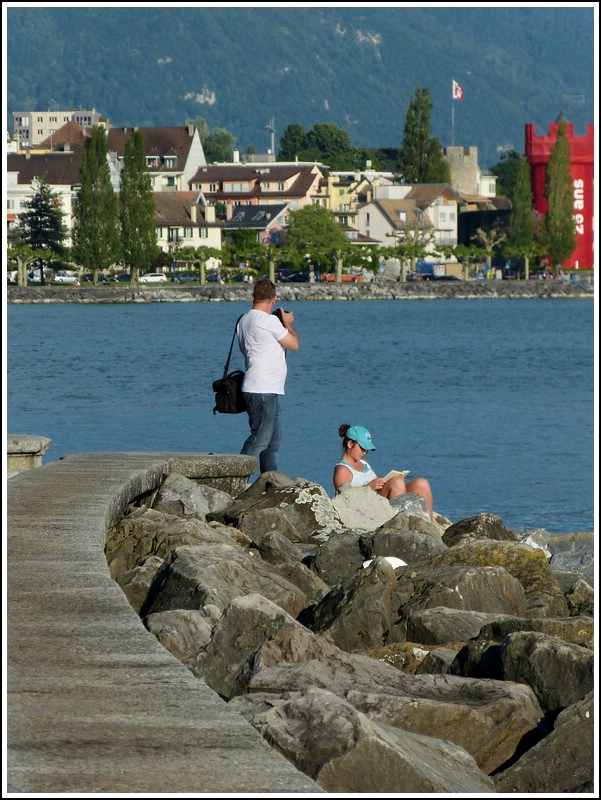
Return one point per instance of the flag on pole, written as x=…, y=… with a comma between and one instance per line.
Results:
x=457, y=91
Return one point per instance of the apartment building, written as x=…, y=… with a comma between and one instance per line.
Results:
x=32, y=127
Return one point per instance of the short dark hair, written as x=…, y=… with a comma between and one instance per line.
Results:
x=263, y=290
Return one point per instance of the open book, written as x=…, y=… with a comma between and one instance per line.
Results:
x=395, y=472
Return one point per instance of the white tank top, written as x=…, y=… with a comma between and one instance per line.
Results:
x=360, y=478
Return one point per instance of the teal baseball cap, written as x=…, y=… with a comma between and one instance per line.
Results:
x=360, y=435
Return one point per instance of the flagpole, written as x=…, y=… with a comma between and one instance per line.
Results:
x=452, y=116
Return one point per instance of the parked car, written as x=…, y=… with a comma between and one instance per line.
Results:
x=212, y=277
x=89, y=277
x=125, y=277
x=63, y=277
x=186, y=277
x=298, y=277
x=153, y=277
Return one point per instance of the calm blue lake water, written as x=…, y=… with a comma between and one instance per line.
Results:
x=492, y=400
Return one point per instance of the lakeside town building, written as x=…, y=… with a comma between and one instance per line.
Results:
x=196, y=202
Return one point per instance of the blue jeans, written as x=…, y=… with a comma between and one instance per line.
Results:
x=265, y=429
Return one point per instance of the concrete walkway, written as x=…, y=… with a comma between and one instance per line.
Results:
x=94, y=703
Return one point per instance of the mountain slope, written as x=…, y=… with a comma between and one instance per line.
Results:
x=355, y=67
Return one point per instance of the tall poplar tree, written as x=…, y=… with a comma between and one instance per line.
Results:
x=136, y=210
x=96, y=221
x=420, y=156
x=520, y=239
x=559, y=230
x=41, y=226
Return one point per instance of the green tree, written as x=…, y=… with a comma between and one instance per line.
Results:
x=136, y=210
x=411, y=243
x=520, y=239
x=559, y=230
x=96, y=219
x=41, y=226
x=420, y=156
x=506, y=171
x=313, y=231
x=489, y=241
x=292, y=142
x=333, y=144
x=20, y=255
x=219, y=146
x=197, y=256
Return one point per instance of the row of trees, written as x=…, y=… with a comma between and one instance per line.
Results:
x=108, y=229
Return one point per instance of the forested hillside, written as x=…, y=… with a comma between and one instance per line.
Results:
x=354, y=67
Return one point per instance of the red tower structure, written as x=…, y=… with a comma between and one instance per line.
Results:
x=538, y=151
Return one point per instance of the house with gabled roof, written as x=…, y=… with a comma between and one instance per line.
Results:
x=347, y=190
x=61, y=171
x=182, y=221
x=70, y=137
x=432, y=207
x=267, y=220
x=231, y=185
x=173, y=155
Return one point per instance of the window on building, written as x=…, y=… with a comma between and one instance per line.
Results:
x=281, y=186
x=235, y=187
x=203, y=233
x=402, y=215
x=442, y=217
x=213, y=187
x=452, y=216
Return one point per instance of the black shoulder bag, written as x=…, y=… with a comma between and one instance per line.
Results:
x=228, y=389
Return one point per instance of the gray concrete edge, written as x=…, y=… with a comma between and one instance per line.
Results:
x=94, y=703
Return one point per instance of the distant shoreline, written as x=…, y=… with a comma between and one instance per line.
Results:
x=374, y=290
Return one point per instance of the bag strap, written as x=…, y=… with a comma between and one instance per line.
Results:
x=229, y=355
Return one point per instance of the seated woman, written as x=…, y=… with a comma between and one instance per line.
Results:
x=354, y=470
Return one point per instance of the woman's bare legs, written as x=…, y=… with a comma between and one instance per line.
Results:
x=396, y=487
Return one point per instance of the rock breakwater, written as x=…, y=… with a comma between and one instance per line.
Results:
x=380, y=289
x=468, y=668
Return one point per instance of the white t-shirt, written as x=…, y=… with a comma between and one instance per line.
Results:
x=259, y=336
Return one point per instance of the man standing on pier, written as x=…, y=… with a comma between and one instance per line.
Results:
x=264, y=338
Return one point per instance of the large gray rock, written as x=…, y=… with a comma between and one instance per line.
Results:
x=147, y=532
x=485, y=589
x=346, y=752
x=297, y=509
x=246, y=623
x=395, y=538
x=481, y=526
x=559, y=673
x=487, y=718
x=440, y=625
x=341, y=557
x=357, y=614
x=136, y=582
x=563, y=762
x=183, y=633
x=214, y=574
x=577, y=630
x=528, y=565
x=183, y=497
x=362, y=508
